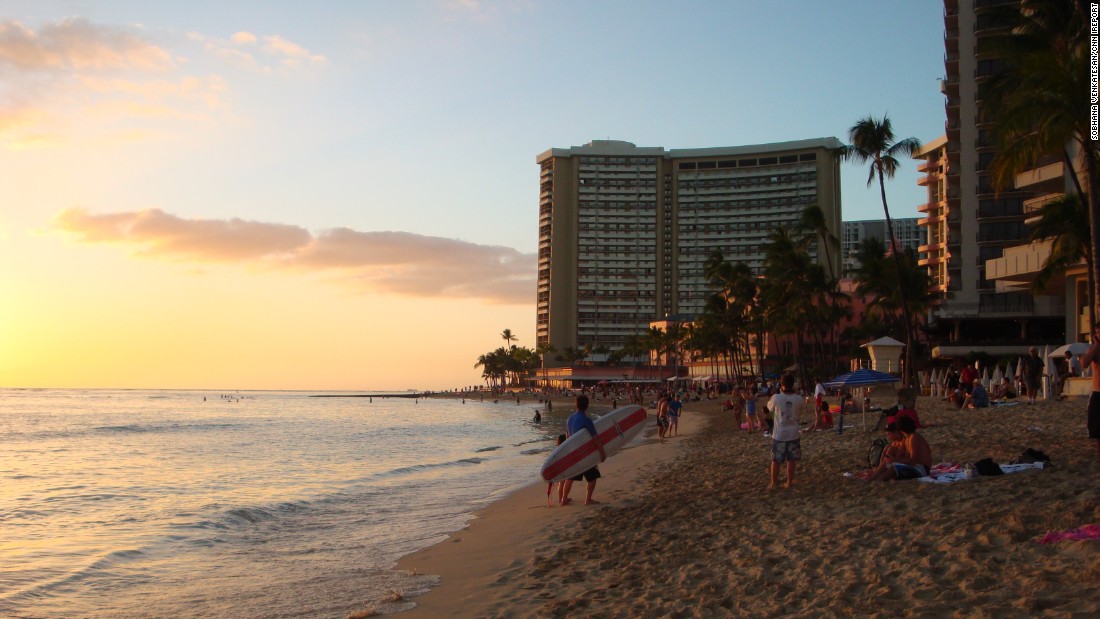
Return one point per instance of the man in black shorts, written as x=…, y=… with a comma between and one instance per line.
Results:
x=1092, y=357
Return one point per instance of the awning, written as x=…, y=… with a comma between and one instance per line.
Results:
x=701, y=379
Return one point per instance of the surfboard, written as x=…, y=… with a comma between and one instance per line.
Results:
x=579, y=453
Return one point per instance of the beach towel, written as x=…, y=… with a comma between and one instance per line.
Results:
x=947, y=472
x=1089, y=531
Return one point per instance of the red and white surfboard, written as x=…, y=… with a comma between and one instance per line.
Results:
x=578, y=453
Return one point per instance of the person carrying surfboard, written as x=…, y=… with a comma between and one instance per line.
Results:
x=579, y=421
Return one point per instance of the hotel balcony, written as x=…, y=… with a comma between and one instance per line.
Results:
x=930, y=220
x=1051, y=178
x=1034, y=205
x=1019, y=266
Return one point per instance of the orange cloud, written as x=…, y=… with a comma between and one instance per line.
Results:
x=394, y=262
x=72, y=70
x=77, y=44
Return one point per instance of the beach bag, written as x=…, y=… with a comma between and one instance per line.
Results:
x=1031, y=456
x=987, y=467
x=874, y=452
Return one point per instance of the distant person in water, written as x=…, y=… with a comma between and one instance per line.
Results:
x=579, y=422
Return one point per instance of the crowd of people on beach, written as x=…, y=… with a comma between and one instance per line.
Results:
x=906, y=454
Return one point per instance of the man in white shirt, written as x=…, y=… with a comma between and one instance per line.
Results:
x=785, y=407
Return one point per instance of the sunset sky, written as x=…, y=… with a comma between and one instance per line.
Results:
x=344, y=195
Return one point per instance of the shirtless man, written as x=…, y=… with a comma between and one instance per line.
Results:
x=913, y=460
x=1092, y=356
x=662, y=416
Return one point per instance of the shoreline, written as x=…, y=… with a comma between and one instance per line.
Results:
x=470, y=562
x=693, y=531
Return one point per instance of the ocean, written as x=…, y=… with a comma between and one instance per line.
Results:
x=139, y=503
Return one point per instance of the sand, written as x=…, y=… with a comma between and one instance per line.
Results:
x=687, y=528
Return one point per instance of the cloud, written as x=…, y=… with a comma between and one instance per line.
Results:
x=77, y=44
x=71, y=80
x=392, y=262
x=243, y=38
x=276, y=53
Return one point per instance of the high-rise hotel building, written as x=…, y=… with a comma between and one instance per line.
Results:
x=625, y=231
x=969, y=222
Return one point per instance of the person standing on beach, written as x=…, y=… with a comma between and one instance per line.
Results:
x=662, y=416
x=579, y=421
x=674, y=408
x=785, y=407
x=750, y=410
x=1033, y=374
x=1092, y=358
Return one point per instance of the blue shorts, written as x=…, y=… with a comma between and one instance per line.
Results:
x=787, y=451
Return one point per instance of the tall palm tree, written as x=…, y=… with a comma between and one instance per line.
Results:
x=1040, y=102
x=872, y=140
x=876, y=278
x=544, y=350
x=508, y=337
x=812, y=222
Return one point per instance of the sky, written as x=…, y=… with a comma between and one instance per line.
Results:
x=344, y=195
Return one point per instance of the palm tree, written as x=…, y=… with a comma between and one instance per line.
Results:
x=873, y=141
x=508, y=337
x=544, y=350
x=876, y=278
x=655, y=341
x=1040, y=102
x=812, y=222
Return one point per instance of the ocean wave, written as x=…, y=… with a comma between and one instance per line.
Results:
x=39, y=588
x=416, y=468
x=139, y=428
x=484, y=449
x=240, y=516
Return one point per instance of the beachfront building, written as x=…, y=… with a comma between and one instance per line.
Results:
x=968, y=222
x=909, y=236
x=1017, y=270
x=625, y=231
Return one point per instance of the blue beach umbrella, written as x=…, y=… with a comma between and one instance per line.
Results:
x=861, y=378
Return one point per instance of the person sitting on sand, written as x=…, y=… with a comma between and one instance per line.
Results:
x=978, y=398
x=890, y=453
x=1003, y=390
x=906, y=407
x=579, y=421
x=824, y=418
x=786, y=444
x=912, y=460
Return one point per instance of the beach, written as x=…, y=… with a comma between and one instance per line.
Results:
x=688, y=528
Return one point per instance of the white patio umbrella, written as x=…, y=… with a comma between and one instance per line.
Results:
x=1048, y=371
x=934, y=382
x=985, y=378
x=1077, y=348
